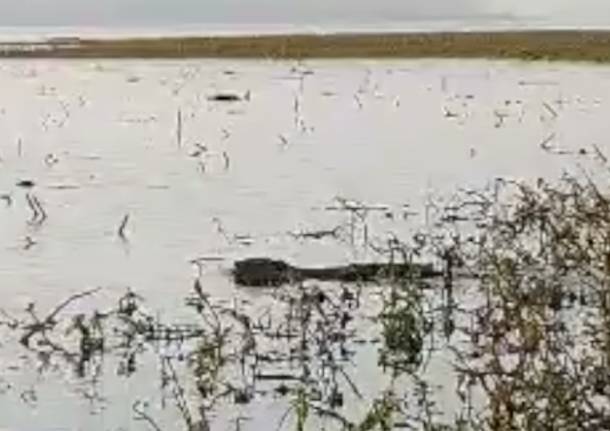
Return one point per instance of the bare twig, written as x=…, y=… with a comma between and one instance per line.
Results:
x=227, y=160
x=141, y=415
x=602, y=157
x=545, y=143
x=29, y=243
x=38, y=213
x=122, y=226
x=179, y=128
x=41, y=326
x=318, y=234
x=68, y=301
x=550, y=109
x=179, y=396
x=41, y=211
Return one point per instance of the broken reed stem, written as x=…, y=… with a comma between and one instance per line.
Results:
x=39, y=214
x=40, y=326
x=179, y=397
x=32, y=206
x=42, y=212
x=179, y=128
x=140, y=415
x=122, y=226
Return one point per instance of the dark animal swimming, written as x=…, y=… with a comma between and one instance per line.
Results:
x=270, y=272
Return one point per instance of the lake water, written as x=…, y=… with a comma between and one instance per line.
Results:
x=204, y=178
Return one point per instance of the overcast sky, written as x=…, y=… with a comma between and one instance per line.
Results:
x=299, y=12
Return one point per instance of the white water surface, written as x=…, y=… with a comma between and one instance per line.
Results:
x=100, y=140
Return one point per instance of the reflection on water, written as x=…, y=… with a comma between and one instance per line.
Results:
x=138, y=172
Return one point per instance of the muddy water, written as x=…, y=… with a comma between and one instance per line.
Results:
x=202, y=178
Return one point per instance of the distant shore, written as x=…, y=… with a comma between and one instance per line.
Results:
x=569, y=45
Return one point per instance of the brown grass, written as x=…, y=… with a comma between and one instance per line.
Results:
x=529, y=45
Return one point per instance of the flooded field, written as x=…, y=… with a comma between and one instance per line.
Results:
x=149, y=175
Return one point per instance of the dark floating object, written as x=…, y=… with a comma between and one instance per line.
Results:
x=229, y=97
x=26, y=184
x=225, y=97
x=269, y=272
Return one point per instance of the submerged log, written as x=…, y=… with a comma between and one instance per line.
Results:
x=269, y=272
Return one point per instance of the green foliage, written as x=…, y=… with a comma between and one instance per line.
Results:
x=301, y=407
x=403, y=328
x=380, y=416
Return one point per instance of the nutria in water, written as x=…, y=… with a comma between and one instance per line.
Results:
x=269, y=272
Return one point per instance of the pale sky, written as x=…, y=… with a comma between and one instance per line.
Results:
x=176, y=12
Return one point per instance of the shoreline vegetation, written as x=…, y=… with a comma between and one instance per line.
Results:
x=525, y=346
x=569, y=45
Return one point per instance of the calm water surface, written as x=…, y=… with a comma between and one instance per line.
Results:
x=197, y=177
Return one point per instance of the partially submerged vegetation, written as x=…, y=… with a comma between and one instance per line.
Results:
x=528, y=339
x=529, y=45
